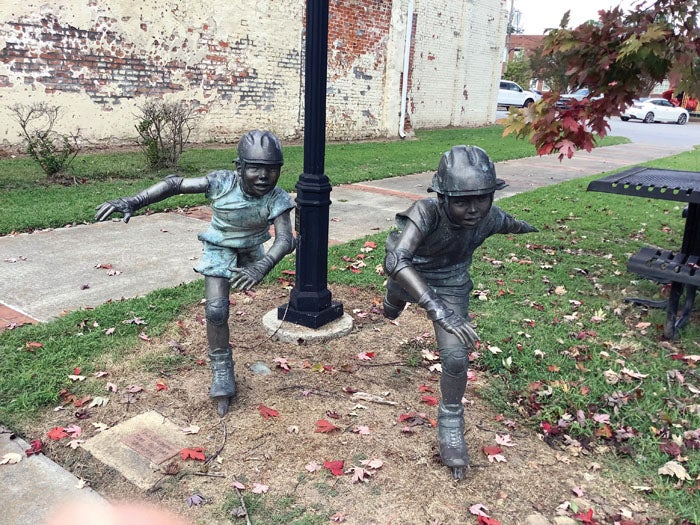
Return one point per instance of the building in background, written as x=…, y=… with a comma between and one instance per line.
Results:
x=240, y=63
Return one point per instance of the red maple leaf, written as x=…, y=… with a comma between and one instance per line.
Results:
x=325, y=426
x=35, y=447
x=429, y=400
x=492, y=450
x=57, y=433
x=267, y=412
x=485, y=520
x=586, y=517
x=193, y=453
x=425, y=388
x=160, y=385
x=336, y=467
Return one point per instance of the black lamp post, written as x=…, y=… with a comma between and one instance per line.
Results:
x=310, y=303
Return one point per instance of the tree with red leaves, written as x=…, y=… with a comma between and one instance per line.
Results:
x=615, y=57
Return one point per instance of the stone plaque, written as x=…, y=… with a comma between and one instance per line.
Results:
x=151, y=446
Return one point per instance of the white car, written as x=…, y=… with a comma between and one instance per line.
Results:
x=511, y=94
x=655, y=110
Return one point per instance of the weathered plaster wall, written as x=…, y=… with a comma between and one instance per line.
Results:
x=456, y=62
x=241, y=64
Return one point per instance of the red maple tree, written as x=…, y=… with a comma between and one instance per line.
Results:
x=614, y=57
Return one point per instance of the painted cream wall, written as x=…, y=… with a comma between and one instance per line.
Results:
x=241, y=64
x=456, y=64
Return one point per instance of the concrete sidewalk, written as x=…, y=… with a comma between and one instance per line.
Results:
x=46, y=273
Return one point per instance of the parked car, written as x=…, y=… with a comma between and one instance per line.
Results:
x=511, y=94
x=655, y=110
x=581, y=93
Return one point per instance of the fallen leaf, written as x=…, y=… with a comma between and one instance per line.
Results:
x=237, y=485
x=259, y=488
x=673, y=468
x=338, y=517
x=479, y=510
x=491, y=450
x=336, y=467
x=359, y=474
x=324, y=426
x=365, y=356
x=586, y=517
x=35, y=447
x=373, y=463
x=98, y=401
x=75, y=443
x=282, y=363
x=267, y=412
x=11, y=458
x=192, y=429
x=504, y=440
x=193, y=453
x=76, y=377
x=195, y=499
x=160, y=385
x=313, y=467
x=57, y=433
x=362, y=430
x=73, y=430
x=111, y=387
x=100, y=427
x=429, y=400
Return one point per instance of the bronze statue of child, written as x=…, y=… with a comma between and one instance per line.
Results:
x=427, y=262
x=244, y=204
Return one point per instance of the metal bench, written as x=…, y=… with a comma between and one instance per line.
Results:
x=665, y=266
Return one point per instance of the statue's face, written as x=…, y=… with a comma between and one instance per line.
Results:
x=260, y=179
x=469, y=210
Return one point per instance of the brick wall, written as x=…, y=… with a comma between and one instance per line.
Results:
x=241, y=64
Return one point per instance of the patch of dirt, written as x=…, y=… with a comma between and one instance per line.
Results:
x=411, y=486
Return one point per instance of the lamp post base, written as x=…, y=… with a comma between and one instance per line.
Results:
x=310, y=319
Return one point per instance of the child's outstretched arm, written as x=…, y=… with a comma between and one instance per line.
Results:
x=247, y=277
x=169, y=186
x=513, y=225
x=398, y=265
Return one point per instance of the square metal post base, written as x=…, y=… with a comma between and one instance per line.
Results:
x=310, y=319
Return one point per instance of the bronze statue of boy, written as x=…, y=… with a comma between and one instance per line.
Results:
x=244, y=204
x=428, y=261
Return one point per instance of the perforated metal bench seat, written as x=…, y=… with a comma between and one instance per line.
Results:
x=665, y=266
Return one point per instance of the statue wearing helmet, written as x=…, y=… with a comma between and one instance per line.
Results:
x=244, y=203
x=428, y=260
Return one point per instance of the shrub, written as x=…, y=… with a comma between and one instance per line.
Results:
x=53, y=151
x=164, y=128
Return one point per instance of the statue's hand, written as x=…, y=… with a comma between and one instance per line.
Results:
x=460, y=327
x=527, y=228
x=121, y=205
x=246, y=278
